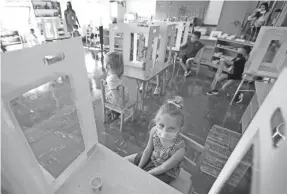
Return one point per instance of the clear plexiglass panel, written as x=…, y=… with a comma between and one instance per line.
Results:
x=49, y=121
x=273, y=47
x=241, y=178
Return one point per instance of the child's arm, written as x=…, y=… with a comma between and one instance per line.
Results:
x=148, y=150
x=183, y=45
x=174, y=160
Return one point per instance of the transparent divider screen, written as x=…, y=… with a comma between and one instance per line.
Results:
x=241, y=178
x=273, y=47
x=49, y=121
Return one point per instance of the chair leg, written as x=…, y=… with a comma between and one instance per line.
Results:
x=104, y=114
x=133, y=113
x=197, y=69
x=122, y=121
x=163, y=82
x=237, y=90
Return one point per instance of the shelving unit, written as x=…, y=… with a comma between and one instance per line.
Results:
x=227, y=49
x=11, y=40
x=118, y=41
x=46, y=8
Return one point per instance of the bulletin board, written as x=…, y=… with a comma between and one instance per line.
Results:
x=168, y=9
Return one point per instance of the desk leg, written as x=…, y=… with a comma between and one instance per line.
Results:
x=138, y=91
x=164, y=73
x=143, y=97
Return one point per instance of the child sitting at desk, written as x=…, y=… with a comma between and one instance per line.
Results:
x=114, y=66
x=166, y=148
x=75, y=32
x=236, y=69
x=189, y=50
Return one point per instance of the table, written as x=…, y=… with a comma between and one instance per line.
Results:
x=118, y=177
x=261, y=91
x=144, y=77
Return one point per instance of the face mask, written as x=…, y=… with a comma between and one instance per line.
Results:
x=166, y=135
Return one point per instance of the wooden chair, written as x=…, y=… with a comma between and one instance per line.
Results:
x=195, y=63
x=184, y=181
x=130, y=105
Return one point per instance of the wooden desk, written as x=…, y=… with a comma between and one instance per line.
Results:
x=261, y=91
x=117, y=174
x=144, y=76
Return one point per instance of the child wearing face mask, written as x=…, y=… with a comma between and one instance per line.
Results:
x=114, y=66
x=166, y=148
x=236, y=69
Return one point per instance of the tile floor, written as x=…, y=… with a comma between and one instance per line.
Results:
x=201, y=111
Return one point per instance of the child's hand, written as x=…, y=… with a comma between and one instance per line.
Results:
x=222, y=60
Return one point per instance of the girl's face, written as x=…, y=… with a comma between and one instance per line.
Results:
x=168, y=124
x=262, y=7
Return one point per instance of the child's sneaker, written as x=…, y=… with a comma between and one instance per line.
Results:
x=239, y=99
x=211, y=93
x=141, y=88
x=187, y=73
x=157, y=91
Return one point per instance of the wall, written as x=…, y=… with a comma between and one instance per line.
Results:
x=232, y=11
x=168, y=9
x=213, y=12
x=145, y=8
x=148, y=8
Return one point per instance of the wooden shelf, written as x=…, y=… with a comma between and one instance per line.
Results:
x=225, y=56
x=236, y=42
x=233, y=50
x=10, y=44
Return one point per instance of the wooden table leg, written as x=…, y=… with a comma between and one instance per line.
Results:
x=163, y=81
x=143, y=96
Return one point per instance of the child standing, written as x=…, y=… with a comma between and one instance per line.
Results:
x=114, y=66
x=189, y=50
x=236, y=69
x=166, y=148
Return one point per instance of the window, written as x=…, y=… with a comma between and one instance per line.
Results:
x=49, y=121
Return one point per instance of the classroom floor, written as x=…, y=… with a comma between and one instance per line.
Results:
x=201, y=113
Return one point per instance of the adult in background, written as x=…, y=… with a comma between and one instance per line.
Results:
x=258, y=19
x=71, y=17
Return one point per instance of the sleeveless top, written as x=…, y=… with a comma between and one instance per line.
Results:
x=113, y=83
x=161, y=154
